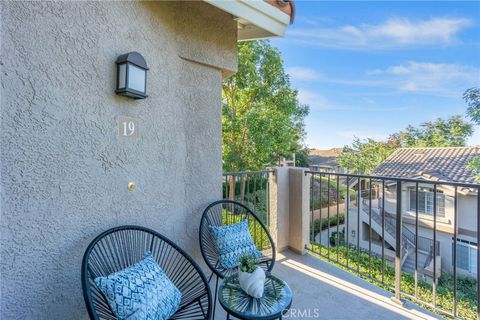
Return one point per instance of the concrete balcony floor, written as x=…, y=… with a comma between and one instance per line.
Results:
x=324, y=291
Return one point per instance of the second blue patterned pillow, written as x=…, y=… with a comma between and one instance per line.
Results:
x=233, y=241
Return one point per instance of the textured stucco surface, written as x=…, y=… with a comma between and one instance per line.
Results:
x=299, y=206
x=64, y=170
x=279, y=207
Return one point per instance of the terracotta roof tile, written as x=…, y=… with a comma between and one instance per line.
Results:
x=286, y=6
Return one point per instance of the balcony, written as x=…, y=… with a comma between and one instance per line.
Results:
x=324, y=291
x=339, y=249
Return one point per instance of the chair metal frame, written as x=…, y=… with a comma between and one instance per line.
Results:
x=213, y=215
x=121, y=247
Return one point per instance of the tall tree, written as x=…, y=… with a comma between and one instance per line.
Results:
x=472, y=98
x=262, y=118
x=452, y=132
x=363, y=156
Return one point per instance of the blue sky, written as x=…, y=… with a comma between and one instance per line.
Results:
x=368, y=69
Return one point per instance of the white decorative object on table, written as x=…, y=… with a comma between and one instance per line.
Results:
x=251, y=277
x=252, y=283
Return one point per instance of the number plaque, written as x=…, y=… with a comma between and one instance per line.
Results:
x=127, y=127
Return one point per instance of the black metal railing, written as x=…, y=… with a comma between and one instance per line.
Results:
x=250, y=188
x=364, y=239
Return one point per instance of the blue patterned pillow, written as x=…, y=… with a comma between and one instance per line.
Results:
x=233, y=241
x=142, y=291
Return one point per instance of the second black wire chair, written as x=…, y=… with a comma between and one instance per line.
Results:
x=225, y=212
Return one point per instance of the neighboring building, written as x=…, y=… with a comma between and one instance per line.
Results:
x=324, y=160
x=64, y=166
x=434, y=164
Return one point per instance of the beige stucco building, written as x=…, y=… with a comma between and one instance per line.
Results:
x=434, y=164
x=65, y=168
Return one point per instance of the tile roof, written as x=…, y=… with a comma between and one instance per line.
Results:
x=447, y=164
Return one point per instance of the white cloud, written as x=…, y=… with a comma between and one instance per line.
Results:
x=439, y=79
x=317, y=20
x=313, y=99
x=391, y=34
x=424, y=77
x=303, y=74
x=318, y=101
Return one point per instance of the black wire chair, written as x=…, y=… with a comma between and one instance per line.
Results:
x=225, y=212
x=121, y=247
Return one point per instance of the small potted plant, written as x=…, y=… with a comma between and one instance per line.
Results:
x=250, y=276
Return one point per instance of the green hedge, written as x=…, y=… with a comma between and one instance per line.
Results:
x=341, y=238
x=466, y=287
x=322, y=224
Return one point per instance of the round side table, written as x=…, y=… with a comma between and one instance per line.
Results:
x=276, y=299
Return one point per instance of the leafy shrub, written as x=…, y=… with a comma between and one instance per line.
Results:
x=322, y=224
x=248, y=263
x=466, y=287
x=341, y=238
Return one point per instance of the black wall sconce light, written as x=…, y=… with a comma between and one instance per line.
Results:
x=132, y=75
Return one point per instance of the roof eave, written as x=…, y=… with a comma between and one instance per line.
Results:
x=256, y=19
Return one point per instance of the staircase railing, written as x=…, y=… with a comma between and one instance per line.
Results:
x=424, y=244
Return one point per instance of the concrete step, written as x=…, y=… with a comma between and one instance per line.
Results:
x=409, y=265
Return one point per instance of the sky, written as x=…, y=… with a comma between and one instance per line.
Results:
x=369, y=69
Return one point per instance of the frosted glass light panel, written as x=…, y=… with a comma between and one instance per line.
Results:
x=122, y=76
x=136, y=78
x=132, y=76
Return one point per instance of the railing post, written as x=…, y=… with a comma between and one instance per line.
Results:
x=398, y=245
x=299, y=207
x=278, y=189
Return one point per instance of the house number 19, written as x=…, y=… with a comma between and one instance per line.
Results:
x=127, y=127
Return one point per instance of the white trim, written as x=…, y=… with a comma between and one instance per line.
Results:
x=258, y=18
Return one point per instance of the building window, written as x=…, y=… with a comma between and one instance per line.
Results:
x=425, y=202
x=466, y=256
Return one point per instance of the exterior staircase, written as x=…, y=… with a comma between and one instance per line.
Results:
x=409, y=240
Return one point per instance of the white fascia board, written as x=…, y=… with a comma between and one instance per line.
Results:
x=258, y=13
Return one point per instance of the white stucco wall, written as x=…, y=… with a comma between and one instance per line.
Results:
x=64, y=169
x=467, y=210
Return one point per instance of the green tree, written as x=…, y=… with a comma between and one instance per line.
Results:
x=452, y=132
x=363, y=156
x=472, y=98
x=301, y=157
x=262, y=119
